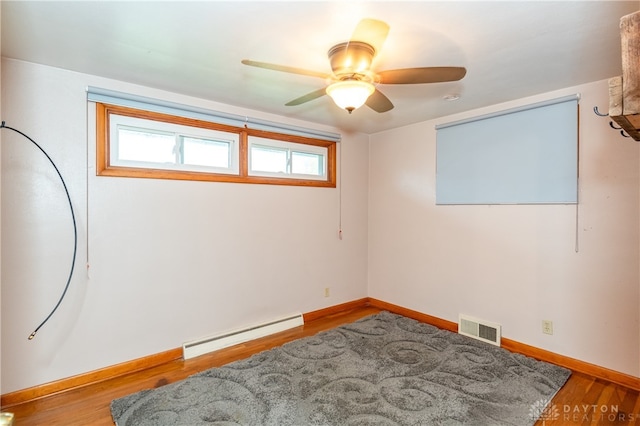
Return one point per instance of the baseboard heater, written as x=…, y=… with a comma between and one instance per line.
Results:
x=485, y=331
x=214, y=343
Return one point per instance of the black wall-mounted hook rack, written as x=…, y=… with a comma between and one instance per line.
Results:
x=613, y=126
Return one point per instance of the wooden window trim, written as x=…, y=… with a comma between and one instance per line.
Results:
x=104, y=168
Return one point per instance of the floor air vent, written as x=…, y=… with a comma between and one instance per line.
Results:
x=479, y=329
x=210, y=344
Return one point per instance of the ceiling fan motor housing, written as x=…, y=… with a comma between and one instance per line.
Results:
x=351, y=60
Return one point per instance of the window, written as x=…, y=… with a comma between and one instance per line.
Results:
x=143, y=143
x=268, y=157
x=137, y=143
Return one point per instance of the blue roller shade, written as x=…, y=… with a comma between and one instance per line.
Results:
x=112, y=97
x=526, y=155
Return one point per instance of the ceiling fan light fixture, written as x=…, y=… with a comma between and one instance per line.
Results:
x=350, y=94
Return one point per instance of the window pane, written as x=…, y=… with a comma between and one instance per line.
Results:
x=203, y=152
x=143, y=145
x=268, y=159
x=307, y=163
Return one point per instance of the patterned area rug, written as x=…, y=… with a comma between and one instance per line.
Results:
x=382, y=370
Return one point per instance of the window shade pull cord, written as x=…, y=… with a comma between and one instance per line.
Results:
x=75, y=229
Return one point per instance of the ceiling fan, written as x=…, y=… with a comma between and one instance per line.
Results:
x=352, y=82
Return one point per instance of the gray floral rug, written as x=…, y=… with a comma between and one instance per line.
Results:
x=382, y=370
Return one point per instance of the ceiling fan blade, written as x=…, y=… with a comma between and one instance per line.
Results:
x=284, y=68
x=308, y=97
x=422, y=75
x=379, y=102
x=372, y=32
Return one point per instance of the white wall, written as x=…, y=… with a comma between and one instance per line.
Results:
x=169, y=261
x=515, y=265
x=0, y=212
x=172, y=261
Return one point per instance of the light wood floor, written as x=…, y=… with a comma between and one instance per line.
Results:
x=584, y=400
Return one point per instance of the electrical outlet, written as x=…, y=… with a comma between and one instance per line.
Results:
x=547, y=327
x=326, y=292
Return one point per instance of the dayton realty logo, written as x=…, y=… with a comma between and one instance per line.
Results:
x=543, y=410
x=579, y=413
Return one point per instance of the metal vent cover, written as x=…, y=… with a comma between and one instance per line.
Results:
x=482, y=330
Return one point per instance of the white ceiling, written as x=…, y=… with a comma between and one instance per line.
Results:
x=511, y=49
